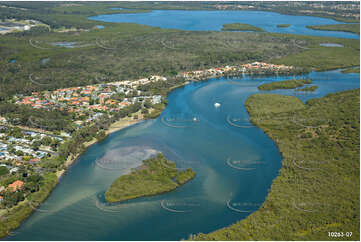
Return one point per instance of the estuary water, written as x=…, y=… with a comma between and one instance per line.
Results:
x=234, y=161
x=213, y=20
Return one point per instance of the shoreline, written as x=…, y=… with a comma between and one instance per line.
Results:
x=117, y=126
x=279, y=183
x=114, y=127
x=71, y=160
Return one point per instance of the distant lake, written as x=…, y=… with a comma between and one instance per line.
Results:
x=213, y=20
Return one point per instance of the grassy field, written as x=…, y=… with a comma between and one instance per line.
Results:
x=353, y=28
x=317, y=189
x=288, y=84
x=241, y=27
x=157, y=175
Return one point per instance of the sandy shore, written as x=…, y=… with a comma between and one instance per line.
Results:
x=119, y=125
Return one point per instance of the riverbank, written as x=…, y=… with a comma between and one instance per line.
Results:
x=14, y=217
x=114, y=127
x=318, y=140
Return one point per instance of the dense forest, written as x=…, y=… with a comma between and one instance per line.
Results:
x=317, y=189
x=127, y=51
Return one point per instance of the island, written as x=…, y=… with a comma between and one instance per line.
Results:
x=283, y=25
x=307, y=89
x=352, y=28
x=157, y=175
x=241, y=27
x=317, y=141
x=288, y=84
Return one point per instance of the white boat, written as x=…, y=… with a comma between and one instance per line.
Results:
x=217, y=105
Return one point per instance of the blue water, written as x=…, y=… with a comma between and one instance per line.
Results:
x=213, y=20
x=76, y=209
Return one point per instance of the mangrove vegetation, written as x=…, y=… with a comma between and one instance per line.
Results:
x=157, y=175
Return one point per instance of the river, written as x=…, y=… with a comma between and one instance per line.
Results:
x=235, y=164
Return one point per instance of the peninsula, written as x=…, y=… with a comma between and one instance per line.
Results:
x=241, y=27
x=288, y=84
x=316, y=190
x=352, y=28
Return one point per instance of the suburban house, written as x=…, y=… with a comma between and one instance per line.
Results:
x=16, y=185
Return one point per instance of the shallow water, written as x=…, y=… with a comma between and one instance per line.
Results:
x=209, y=144
x=213, y=20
